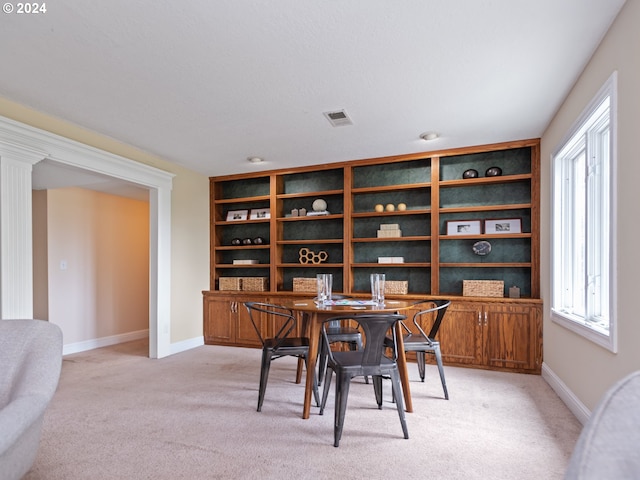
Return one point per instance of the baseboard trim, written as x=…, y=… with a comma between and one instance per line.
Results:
x=128, y=337
x=104, y=342
x=581, y=412
x=187, y=344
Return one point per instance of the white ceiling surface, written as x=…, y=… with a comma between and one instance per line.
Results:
x=207, y=84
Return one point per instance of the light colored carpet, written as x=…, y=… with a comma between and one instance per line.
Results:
x=120, y=415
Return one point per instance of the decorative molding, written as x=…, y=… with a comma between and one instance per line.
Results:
x=33, y=144
x=16, y=241
x=572, y=402
x=48, y=145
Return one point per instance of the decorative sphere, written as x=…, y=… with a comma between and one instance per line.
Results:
x=390, y=207
x=246, y=241
x=493, y=172
x=379, y=208
x=402, y=207
x=259, y=241
x=236, y=241
x=471, y=173
x=319, y=205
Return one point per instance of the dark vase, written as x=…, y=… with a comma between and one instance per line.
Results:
x=471, y=173
x=493, y=172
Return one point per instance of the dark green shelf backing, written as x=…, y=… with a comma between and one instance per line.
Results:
x=245, y=272
x=291, y=253
x=516, y=250
x=451, y=278
x=244, y=230
x=319, y=181
x=419, y=278
x=413, y=199
x=411, y=225
x=524, y=215
x=512, y=162
x=335, y=204
x=290, y=273
x=250, y=187
x=413, y=171
x=313, y=229
x=413, y=252
x=228, y=256
x=475, y=195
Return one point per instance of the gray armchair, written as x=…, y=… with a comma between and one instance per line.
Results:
x=30, y=363
x=608, y=445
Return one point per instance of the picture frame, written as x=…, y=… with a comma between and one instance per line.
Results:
x=464, y=227
x=260, y=214
x=501, y=226
x=237, y=215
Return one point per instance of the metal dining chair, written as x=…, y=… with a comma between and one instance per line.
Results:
x=373, y=360
x=422, y=343
x=280, y=345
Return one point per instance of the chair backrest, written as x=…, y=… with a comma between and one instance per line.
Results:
x=440, y=308
x=282, y=315
x=375, y=329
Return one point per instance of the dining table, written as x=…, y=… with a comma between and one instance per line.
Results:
x=316, y=314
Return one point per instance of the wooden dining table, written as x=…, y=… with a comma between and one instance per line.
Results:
x=317, y=314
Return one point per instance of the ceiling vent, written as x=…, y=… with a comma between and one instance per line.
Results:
x=338, y=118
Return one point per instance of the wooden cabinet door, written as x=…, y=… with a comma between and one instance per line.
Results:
x=245, y=332
x=460, y=334
x=219, y=321
x=511, y=337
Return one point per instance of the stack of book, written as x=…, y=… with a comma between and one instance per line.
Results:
x=389, y=230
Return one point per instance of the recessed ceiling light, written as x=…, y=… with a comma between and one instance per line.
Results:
x=429, y=136
x=255, y=159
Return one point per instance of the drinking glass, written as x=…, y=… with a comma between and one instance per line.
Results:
x=324, y=283
x=377, y=288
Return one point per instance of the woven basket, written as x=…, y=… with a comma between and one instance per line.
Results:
x=393, y=287
x=304, y=285
x=229, y=283
x=254, y=284
x=482, y=288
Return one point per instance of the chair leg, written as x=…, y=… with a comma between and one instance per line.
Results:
x=264, y=376
x=358, y=346
x=316, y=393
x=438, y=355
x=397, y=392
x=325, y=392
x=421, y=364
x=377, y=388
x=322, y=362
x=342, y=392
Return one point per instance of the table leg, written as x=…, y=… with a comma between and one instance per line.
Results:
x=313, y=328
x=402, y=367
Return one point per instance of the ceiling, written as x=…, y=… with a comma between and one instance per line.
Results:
x=208, y=84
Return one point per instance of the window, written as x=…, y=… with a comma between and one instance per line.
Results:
x=583, y=227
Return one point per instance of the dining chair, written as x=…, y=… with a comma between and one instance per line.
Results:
x=338, y=332
x=373, y=360
x=425, y=343
x=280, y=345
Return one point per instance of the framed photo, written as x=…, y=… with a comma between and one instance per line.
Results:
x=502, y=225
x=235, y=215
x=464, y=227
x=259, y=214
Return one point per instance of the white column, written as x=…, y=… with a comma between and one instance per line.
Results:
x=16, y=242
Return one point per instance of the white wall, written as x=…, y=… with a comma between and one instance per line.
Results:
x=588, y=370
x=98, y=264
